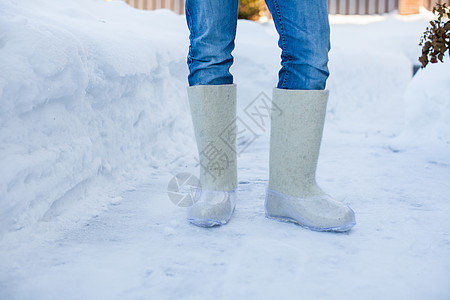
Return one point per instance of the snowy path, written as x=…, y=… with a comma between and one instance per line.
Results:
x=142, y=247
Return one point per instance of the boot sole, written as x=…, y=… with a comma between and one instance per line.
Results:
x=342, y=228
x=208, y=223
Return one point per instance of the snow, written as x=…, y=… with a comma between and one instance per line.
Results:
x=428, y=105
x=94, y=122
x=81, y=107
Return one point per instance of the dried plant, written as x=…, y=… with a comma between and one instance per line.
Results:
x=435, y=41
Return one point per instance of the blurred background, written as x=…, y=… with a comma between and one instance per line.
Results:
x=257, y=9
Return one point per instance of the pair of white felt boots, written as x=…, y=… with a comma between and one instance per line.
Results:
x=296, y=133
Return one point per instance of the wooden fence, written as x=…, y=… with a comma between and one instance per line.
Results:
x=361, y=7
x=175, y=5
x=344, y=7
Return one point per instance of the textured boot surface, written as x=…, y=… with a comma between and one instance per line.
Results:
x=319, y=213
x=296, y=134
x=213, y=109
x=212, y=208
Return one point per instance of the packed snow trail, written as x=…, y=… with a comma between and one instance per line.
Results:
x=142, y=247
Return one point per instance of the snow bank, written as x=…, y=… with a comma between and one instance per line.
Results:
x=91, y=93
x=427, y=101
x=371, y=64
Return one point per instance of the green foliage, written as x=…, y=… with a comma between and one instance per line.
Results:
x=435, y=41
x=249, y=9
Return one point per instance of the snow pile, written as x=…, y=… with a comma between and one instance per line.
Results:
x=428, y=104
x=371, y=64
x=90, y=93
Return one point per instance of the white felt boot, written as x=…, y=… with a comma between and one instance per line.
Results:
x=213, y=109
x=293, y=194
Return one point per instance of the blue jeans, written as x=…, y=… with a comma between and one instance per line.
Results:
x=304, y=40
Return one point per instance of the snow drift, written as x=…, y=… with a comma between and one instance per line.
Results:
x=427, y=101
x=84, y=96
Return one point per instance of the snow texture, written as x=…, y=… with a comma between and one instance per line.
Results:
x=94, y=122
x=86, y=99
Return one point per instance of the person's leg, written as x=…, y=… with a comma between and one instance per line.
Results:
x=212, y=99
x=212, y=26
x=296, y=132
x=304, y=33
